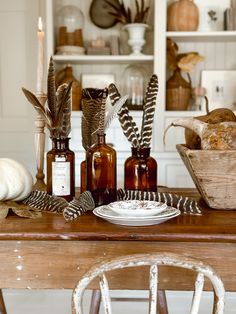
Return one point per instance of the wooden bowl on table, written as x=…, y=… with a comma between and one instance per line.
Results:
x=214, y=174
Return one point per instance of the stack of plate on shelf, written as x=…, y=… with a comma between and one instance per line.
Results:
x=136, y=213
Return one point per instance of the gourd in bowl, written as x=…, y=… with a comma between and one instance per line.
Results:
x=15, y=180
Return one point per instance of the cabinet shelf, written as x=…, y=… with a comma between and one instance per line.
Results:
x=222, y=36
x=183, y=113
x=92, y=59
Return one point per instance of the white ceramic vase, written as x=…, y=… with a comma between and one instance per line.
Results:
x=136, y=39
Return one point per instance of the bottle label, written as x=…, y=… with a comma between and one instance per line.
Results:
x=60, y=178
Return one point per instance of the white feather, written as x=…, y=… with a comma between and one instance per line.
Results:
x=111, y=111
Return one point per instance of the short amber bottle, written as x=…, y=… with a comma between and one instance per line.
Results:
x=140, y=171
x=101, y=171
x=61, y=169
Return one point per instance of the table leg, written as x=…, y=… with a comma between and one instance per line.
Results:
x=95, y=302
x=162, y=302
x=2, y=304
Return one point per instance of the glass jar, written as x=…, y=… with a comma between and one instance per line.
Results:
x=134, y=86
x=61, y=169
x=101, y=171
x=70, y=22
x=140, y=171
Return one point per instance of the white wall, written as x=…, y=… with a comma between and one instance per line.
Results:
x=18, y=47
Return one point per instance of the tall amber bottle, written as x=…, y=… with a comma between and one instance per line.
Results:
x=101, y=171
x=61, y=169
x=140, y=171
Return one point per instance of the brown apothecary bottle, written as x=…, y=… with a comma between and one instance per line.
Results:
x=140, y=171
x=101, y=171
x=83, y=176
x=61, y=169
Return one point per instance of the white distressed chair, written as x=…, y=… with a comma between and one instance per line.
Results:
x=154, y=261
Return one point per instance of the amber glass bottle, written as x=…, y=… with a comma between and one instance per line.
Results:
x=101, y=171
x=83, y=176
x=61, y=169
x=140, y=171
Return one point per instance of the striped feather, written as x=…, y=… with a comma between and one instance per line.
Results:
x=63, y=96
x=149, y=111
x=129, y=127
x=185, y=204
x=113, y=93
x=102, y=112
x=73, y=210
x=51, y=88
x=91, y=106
x=79, y=206
x=41, y=200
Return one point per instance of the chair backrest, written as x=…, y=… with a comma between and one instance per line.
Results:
x=154, y=261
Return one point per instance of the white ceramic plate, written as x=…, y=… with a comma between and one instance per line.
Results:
x=136, y=208
x=105, y=212
x=135, y=221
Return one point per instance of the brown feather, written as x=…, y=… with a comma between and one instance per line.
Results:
x=57, y=111
x=37, y=105
x=91, y=105
x=52, y=105
x=62, y=122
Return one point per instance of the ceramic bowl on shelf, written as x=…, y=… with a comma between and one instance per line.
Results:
x=70, y=50
x=136, y=208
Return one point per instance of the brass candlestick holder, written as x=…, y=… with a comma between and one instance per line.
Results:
x=40, y=146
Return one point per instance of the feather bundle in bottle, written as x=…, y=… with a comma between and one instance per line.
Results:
x=57, y=111
x=91, y=104
x=98, y=111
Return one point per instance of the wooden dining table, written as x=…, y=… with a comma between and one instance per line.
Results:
x=51, y=253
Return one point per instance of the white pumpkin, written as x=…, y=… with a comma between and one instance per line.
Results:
x=15, y=180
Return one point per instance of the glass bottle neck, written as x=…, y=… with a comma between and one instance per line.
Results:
x=141, y=151
x=60, y=143
x=101, y=138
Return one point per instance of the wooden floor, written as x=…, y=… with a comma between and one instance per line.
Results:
x=58, y=301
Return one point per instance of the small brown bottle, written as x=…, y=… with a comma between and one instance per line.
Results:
x=140, y=170
x=61, y=169
x=101, y=171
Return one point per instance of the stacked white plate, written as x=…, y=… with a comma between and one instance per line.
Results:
x=136, y=213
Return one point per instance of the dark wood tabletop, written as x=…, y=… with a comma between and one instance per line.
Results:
x=212, y=226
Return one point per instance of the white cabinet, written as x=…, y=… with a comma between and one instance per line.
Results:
x=218, y=49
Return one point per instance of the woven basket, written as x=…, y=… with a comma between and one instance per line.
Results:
x=214, y=174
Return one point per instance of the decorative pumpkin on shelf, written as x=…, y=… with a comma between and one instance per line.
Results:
x=178, y=89
x=182, y=15
x=16, y=181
